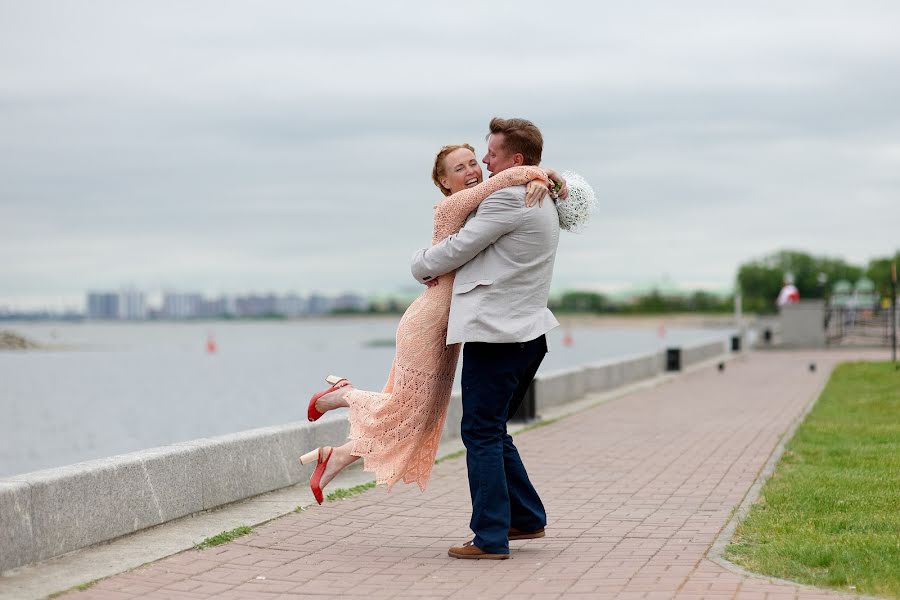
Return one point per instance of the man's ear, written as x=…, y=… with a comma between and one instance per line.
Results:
x=518, y=159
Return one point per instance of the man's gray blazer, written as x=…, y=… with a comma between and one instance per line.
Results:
x=504, y=258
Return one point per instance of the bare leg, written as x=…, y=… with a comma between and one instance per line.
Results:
x=340, y=459
x=333, y=400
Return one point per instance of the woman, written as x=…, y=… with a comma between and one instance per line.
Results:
x=397, y=431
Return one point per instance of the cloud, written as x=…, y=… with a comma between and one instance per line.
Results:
x=230, y=145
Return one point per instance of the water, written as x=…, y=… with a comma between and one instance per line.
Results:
x=121, y=387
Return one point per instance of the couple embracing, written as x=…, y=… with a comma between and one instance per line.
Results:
x=488, y=275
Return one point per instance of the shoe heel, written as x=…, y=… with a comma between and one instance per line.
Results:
x=310, y=457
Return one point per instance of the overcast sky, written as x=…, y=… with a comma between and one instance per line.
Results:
x=287, y=146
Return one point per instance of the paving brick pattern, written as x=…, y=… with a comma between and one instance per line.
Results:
x=636, y=490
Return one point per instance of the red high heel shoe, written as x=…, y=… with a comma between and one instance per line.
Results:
x=337, y=383
x=308, y=458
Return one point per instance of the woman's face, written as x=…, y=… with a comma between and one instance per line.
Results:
x=461, y=170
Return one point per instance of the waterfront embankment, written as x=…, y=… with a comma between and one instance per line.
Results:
x=51, y=512
x=638, y=487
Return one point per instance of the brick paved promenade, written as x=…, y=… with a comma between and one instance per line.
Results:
x=636, y=491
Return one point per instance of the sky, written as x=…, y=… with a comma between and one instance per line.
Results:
x=233, y=147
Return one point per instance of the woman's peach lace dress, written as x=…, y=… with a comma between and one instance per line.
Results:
x=397, y=431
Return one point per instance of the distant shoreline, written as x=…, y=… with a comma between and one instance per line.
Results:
x=702, y=320
x=10, y=340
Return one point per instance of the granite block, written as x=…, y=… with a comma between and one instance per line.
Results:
x=17, y=545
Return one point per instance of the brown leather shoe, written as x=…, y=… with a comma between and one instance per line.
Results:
x=517, y=534
x=470, y=550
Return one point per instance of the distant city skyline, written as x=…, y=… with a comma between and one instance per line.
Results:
x=228, y=146
x=157, y=297
x=131, y=304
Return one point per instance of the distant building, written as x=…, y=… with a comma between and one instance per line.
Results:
x=350, y=302
x=292, y=305
x=102, y=305
x=319, y=305
x=212, y=308
x=256, y=306
x=181, y=306
x=132, y=305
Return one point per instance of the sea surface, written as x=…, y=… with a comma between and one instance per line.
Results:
x=111, y=388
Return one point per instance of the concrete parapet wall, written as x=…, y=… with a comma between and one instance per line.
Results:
x=454, y=417
x=766, y=332
x=48, y=513
x=692, y=355
x=803, y=324
x=560, y=387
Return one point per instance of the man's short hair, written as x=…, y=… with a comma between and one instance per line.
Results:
x=520, y=136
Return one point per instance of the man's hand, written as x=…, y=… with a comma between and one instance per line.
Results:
x=535, y=193
x=432, y=282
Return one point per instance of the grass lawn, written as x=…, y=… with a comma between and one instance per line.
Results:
x=830, y=515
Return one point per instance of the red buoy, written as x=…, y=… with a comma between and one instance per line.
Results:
x=211, y=344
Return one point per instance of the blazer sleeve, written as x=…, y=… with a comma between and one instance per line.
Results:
x=497, y=215
x=450, y=214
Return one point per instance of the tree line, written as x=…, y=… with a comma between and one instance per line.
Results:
x=653, y=302
x=814, y=276
x=758, y=280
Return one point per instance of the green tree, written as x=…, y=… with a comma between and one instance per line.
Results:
x=879, y=271
x=761, y=280
x=759, y=284
x=581, y=301
x=701, y=301
x=837, y=269
x=655, y=302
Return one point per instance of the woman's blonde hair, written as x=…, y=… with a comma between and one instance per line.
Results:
x=439, y=170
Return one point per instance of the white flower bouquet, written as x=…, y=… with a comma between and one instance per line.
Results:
x=575, y=211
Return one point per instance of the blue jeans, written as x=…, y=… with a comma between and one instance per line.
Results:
x=495, y=378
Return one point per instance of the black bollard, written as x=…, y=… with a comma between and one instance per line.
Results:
x=527, y=410
x=721, y=367
x=673, y=359
x=812, y=367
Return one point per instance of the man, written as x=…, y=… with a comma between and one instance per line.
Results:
x=504, y=260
